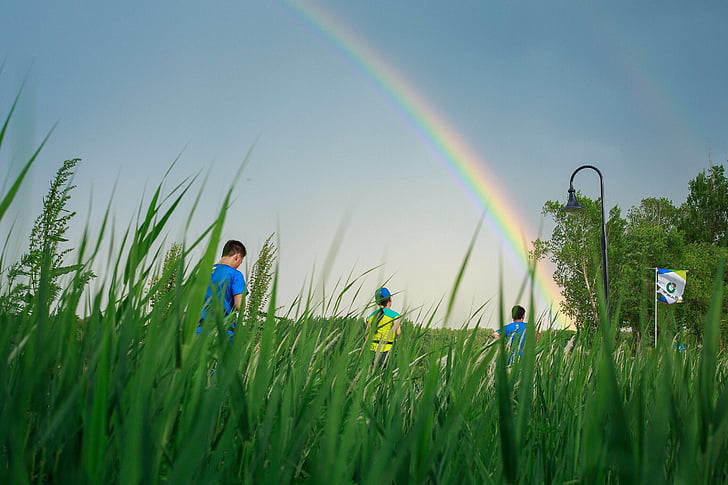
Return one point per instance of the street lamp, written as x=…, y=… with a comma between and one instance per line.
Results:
x=573, y=206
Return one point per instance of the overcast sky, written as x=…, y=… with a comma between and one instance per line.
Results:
x=533, y=89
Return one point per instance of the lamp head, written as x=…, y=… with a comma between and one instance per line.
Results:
x=572, y=205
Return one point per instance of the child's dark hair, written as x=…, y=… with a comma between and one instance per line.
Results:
x=233, y=247
x=378, y=317
x=518, y=312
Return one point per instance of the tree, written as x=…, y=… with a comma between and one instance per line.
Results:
x=574, y=248
x=701, y=261
x=704, y=215
x=653, y=212
x=650, y=239
x=704, y=220
x=44, y=258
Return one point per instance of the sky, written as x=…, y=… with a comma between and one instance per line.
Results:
x=374, y=135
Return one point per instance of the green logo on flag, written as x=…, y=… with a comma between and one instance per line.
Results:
x=671, y=287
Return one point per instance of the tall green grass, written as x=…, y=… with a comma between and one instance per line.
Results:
x=126, y=394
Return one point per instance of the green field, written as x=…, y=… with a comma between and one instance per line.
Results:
x=126, y=395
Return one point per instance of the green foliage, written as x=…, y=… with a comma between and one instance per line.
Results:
x=653, y=212
x=650, y=240
x=654, y=234
x=126, y=400
x=704, y=215
x=574, y=248
x=43, y=264
x=171, y=275
x=701, y=260
x=260, y=282
x=704, y=221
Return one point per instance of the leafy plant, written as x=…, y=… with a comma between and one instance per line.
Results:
x=170, y=277
x=260, y=282
x=704, y=215
x=45, y=259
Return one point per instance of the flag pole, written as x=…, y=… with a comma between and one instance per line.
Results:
x=655, y=297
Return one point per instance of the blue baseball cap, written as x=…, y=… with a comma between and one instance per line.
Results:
x=381, y=295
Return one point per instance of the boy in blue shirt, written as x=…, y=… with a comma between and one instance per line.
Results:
x=227, y=283
x=514, y=331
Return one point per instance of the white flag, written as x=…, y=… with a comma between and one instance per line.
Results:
x=670, y=285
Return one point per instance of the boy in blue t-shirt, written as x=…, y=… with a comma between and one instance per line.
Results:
x=227, y=283
x=514, y=331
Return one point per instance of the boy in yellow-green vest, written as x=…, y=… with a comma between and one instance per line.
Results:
x=385, y=323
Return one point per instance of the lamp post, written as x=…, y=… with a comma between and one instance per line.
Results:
x=573, y=205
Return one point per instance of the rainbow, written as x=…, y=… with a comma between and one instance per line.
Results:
x=454, y=152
